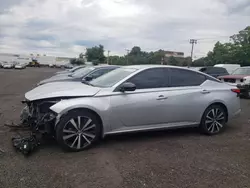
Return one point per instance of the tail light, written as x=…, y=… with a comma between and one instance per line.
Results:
x=236, y=91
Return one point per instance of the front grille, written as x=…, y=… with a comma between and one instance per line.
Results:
x=231, y=80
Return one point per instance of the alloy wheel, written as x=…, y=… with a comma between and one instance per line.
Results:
x=215, y=120
x=79, y=132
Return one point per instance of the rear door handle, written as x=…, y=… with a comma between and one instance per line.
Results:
x=161, y=97
x=205, y=91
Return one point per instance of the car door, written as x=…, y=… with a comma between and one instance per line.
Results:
x=185, y=98
x=144, y=105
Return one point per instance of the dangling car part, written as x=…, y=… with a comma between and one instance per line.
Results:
x=36, y=118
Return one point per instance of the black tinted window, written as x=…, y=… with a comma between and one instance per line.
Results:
x=152, y=78
x=216, y=70
x=181, y=77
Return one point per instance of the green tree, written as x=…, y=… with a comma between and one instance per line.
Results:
x=77, y=61
x=172, y=61
x=135, y=51
x=235, y=52
x=96, y=54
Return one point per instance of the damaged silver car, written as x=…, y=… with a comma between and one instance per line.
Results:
x=130, y=99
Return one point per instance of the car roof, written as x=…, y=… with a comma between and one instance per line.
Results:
x=140, y=67
x=104, y=66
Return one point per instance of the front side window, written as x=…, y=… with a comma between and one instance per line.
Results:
x=182, y=77
x=151, y=78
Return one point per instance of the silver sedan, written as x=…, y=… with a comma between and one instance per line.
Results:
x=132, y=99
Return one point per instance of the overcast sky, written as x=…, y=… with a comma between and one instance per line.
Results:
x=67, y=27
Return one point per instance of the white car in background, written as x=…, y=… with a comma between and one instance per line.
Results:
x=8, y=65
x=1, y=64
x=229, y=67
x=20, y=66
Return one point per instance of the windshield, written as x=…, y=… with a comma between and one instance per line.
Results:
x=242, y=71
x=76, y=68
x=113, y=77
x=82, y=72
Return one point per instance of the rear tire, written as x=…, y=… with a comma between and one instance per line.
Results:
x=213, y=120
x=78, y=130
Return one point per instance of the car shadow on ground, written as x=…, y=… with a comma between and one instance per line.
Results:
x=150, y=135
x=112, y=141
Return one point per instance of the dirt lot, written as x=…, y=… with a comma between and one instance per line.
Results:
x=179, y=158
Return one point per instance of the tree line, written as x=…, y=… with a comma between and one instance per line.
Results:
x=237, y=51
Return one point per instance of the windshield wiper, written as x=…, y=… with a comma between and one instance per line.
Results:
x=87, y=83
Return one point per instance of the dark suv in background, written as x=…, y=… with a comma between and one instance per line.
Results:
x=214, y=71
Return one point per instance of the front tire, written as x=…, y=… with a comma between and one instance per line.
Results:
x=213, y=120
x=78, y=130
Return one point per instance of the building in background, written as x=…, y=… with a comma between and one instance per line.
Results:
x=41, y=59
x=174, y=54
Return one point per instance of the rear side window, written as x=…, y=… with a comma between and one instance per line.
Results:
x=182, y=77
x=151, y=78
x=217, y=70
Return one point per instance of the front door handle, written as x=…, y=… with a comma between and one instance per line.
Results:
x=205, y=91
x=161, y=97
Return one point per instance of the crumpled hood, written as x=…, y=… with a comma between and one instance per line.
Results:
x=61, y=89
x=56, y=78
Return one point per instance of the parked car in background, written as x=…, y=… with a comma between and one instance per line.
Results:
x=229, y=67
x=240, y=78
x=131, y=99
x=214, y=71
x=9, y=65
x=51, y=65
x=34, y=63
x=20, y=66
x=70, y=71
x=85, y=74
x=68, y=66
x=1, y=64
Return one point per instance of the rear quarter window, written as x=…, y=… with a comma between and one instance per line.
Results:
x=182, y=77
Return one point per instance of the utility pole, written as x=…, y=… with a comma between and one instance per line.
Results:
x=127, y=55
x=192, y=41
x=108, y=58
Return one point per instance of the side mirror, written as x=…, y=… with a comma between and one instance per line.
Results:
x=88, y=78
x=127, y=86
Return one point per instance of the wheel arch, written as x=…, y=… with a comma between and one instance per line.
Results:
x=84, y=109
x=219, y=103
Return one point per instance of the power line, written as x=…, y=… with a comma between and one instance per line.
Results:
x=192, y=41
x=127, y=54
x=108, y=58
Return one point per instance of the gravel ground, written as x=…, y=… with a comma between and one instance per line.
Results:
x=176, y=158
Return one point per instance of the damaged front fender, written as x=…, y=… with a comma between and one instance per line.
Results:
x=98, y=105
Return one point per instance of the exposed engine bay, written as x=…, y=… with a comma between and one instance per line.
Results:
x=36, y=117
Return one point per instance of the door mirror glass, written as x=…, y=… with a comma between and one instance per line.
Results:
x=127, y=86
